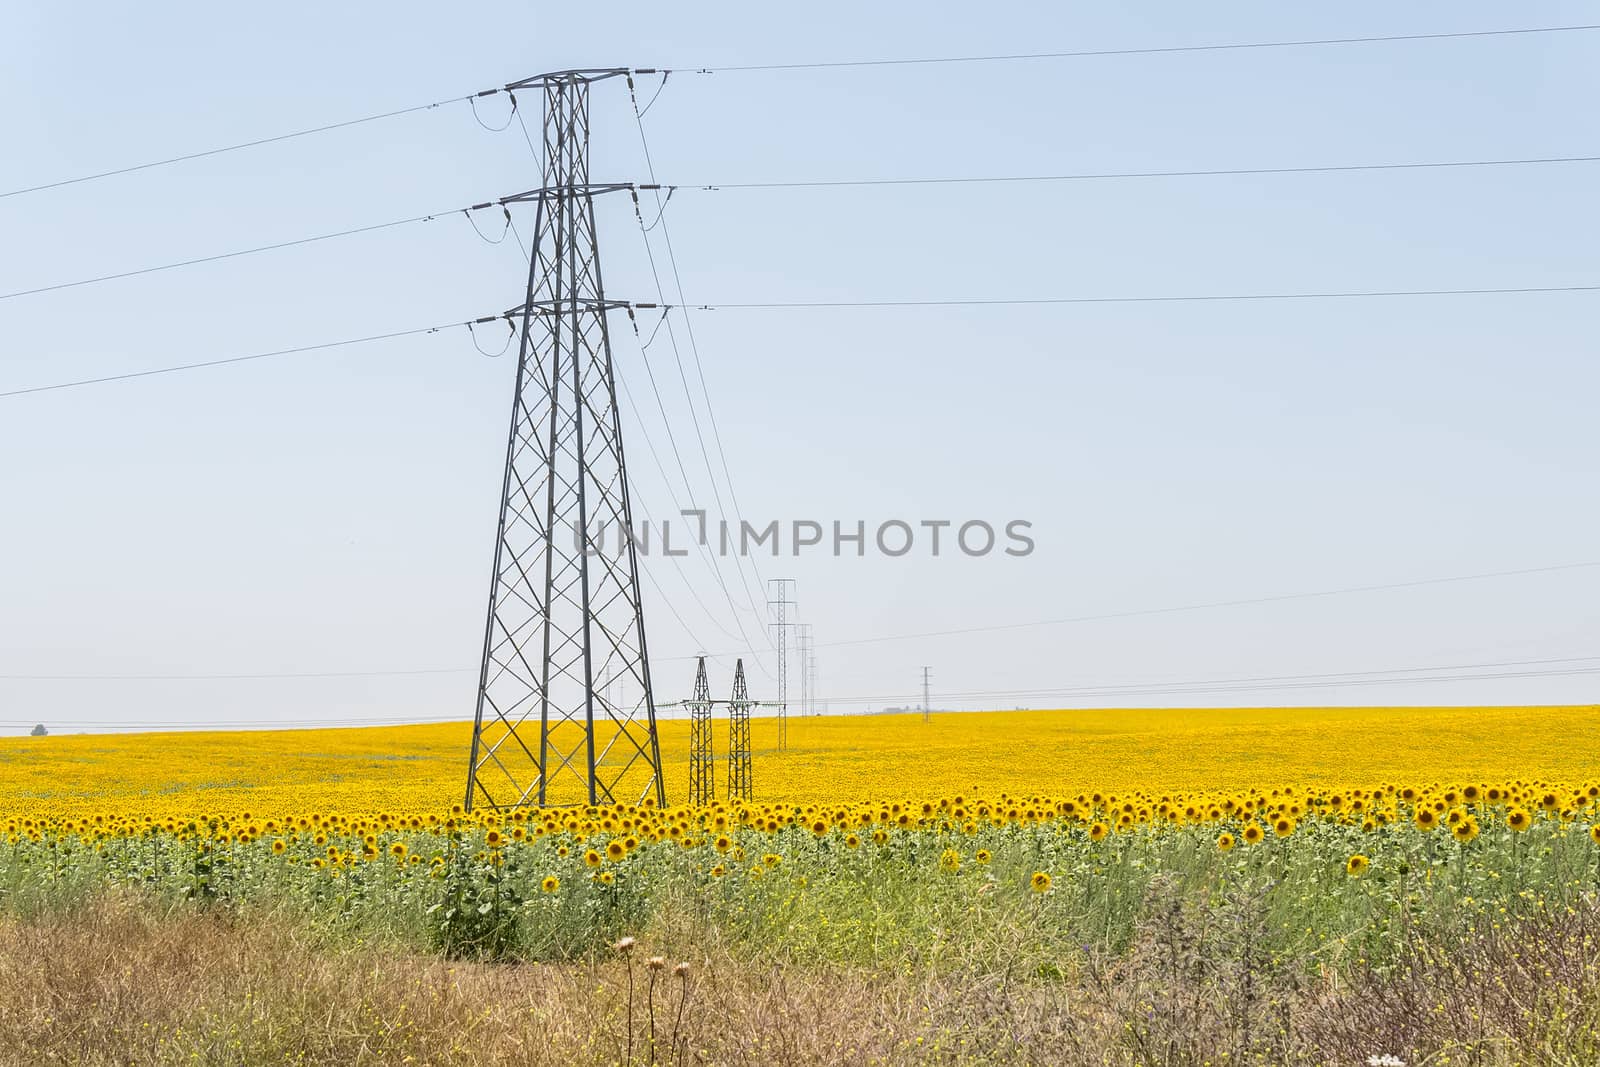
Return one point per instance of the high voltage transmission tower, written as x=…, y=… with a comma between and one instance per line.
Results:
x=739, y=783
x=702, y=754
x=802, y=648
x=811, y=673
x=562, y=613
x=927, y=706
x=779, y=601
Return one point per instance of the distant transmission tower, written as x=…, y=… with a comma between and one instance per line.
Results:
x=562, y=613
x=702, y=755
x=778, y=604
x=802, y=646
x=739, y=785
x=927, y=707
x=811, y=669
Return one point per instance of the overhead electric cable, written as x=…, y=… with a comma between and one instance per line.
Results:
x=1163, y=50
x=694, y=348
x=1090, y=176
x=244, y=144
x=238, y=359
x=527, y=254
x=1203, y=689
x=1213, y=604
x=1487, y=671
x=1136, y=613
x=1330, y=678
x=820, y=183
x=393, y=223
x=1173, y=299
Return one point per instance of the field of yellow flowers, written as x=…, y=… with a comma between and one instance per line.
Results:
x=829, y=759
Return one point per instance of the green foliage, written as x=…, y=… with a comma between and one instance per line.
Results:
x=923, y=894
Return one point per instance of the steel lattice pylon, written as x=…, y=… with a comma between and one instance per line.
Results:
x=702, y=754
x=562, y=611
x=778, y=605
x=739, y=785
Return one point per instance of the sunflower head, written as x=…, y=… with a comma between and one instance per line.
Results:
x=1040, y=882
x=1357, y=865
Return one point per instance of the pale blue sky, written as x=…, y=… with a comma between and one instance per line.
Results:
x=334, y=511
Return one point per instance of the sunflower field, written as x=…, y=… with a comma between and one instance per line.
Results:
x=1336, y=868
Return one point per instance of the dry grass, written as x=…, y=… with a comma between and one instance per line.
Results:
x=118, y=983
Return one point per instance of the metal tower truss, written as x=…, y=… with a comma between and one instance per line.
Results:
x=564, y=607
x=779, y=601
x=739, y=705
x=702, y=753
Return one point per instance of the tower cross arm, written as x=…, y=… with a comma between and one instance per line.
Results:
x=579, y=74
x=557, y=192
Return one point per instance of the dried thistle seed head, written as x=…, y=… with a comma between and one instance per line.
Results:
x=655, y=963
x=625, y=946
x=681, y=970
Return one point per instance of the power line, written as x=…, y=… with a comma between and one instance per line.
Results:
x=1487, y=671
x=694, y=349
x=819, y=304
x=1172, y=49
x=1213, y=604
x=1284, y=681
x=635, y=495
x=236, y=147
x=392, y=224
x=1137, y=613
x=819, y=184
x=249, y=677
x=236, y=359
x=1234, y=46
x=1340, y=168
x=1173, y=299
x=637, y=498
x=672, y=440
x=1202, y=689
